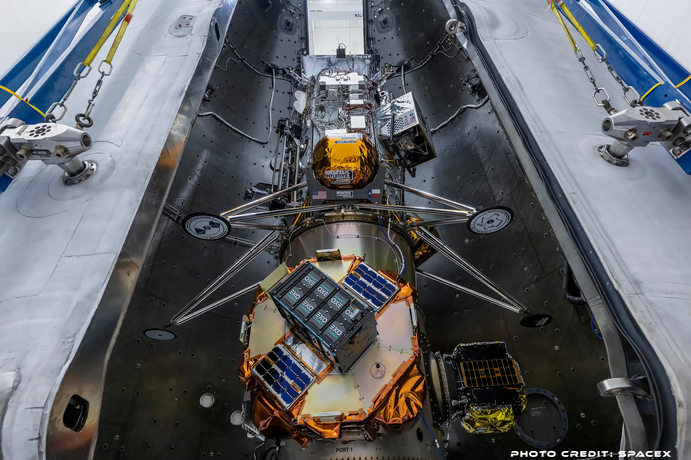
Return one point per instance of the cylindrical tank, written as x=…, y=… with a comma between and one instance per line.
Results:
x=364, y=239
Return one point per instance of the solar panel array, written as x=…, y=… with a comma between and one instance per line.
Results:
x=373, y=288
x=327, y=314
x=489, y=372
x=284, y=375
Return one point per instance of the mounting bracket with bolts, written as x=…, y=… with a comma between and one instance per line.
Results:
x=669, y=125
x=51, y=143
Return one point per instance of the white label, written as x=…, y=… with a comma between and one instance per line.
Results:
x=336, y=302
x=321, y=317
x=341, y=176
x=344, y=193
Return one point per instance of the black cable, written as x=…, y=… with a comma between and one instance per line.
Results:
x=254, y=454
x=571, y=291
x=272, y=454
x=242, y=133
x=458, y=112
x=242, y=59
x=427, y=59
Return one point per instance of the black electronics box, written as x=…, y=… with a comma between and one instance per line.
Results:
x=324, y=313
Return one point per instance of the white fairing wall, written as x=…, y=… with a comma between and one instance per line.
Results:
x=665, y=21
x=22, y=23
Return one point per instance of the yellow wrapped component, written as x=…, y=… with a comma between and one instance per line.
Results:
x=345, y=161
x=405, y=400
x=480, y=420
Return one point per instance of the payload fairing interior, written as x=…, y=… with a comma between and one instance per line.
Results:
x=352, y=348
x=346, y=253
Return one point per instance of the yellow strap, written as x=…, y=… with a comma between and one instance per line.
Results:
x=106, y=33
x=650, y=91
x=121, y=32
x=22, y=99
x=687, y=79
x=577, y=25
x=563, y=25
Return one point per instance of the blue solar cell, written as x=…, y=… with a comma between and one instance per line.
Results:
x=274, y=373
x=378, y=284
x=287, y=399
x=351, y=279
x=278, y=352
x=360, y=269
x=291, y=391
x=369, y=279
x=303, y=379
x=282, y=365
x=295, y=368
x=276, y=387
x=290, y=374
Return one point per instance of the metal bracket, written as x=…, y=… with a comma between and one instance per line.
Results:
x=618, y=386
x=669, y=125
x=454, y=26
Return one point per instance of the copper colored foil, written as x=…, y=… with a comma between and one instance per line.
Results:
x=345, y=161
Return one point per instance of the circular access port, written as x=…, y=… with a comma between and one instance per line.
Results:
x=490, y=220
x=378, y=370
x=543, y=423
x=207, y=400
x=607, y=125
x=206, y=226
x=160, y=334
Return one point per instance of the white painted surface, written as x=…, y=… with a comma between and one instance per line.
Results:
x=51, y=281
x=23, y=23
x=665, y=21
x=638, y=218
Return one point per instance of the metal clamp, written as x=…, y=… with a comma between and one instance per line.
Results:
x=50, y=117
x=84, y=120
x=619, y=386
x=599, y=58
x=579, y=54
x=635, y=102
x=78, y=72
x=103, y=73
x=600, y=89
x=454, y=26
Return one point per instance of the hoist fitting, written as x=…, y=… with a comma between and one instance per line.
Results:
x=51, y=143
x=638, y=126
